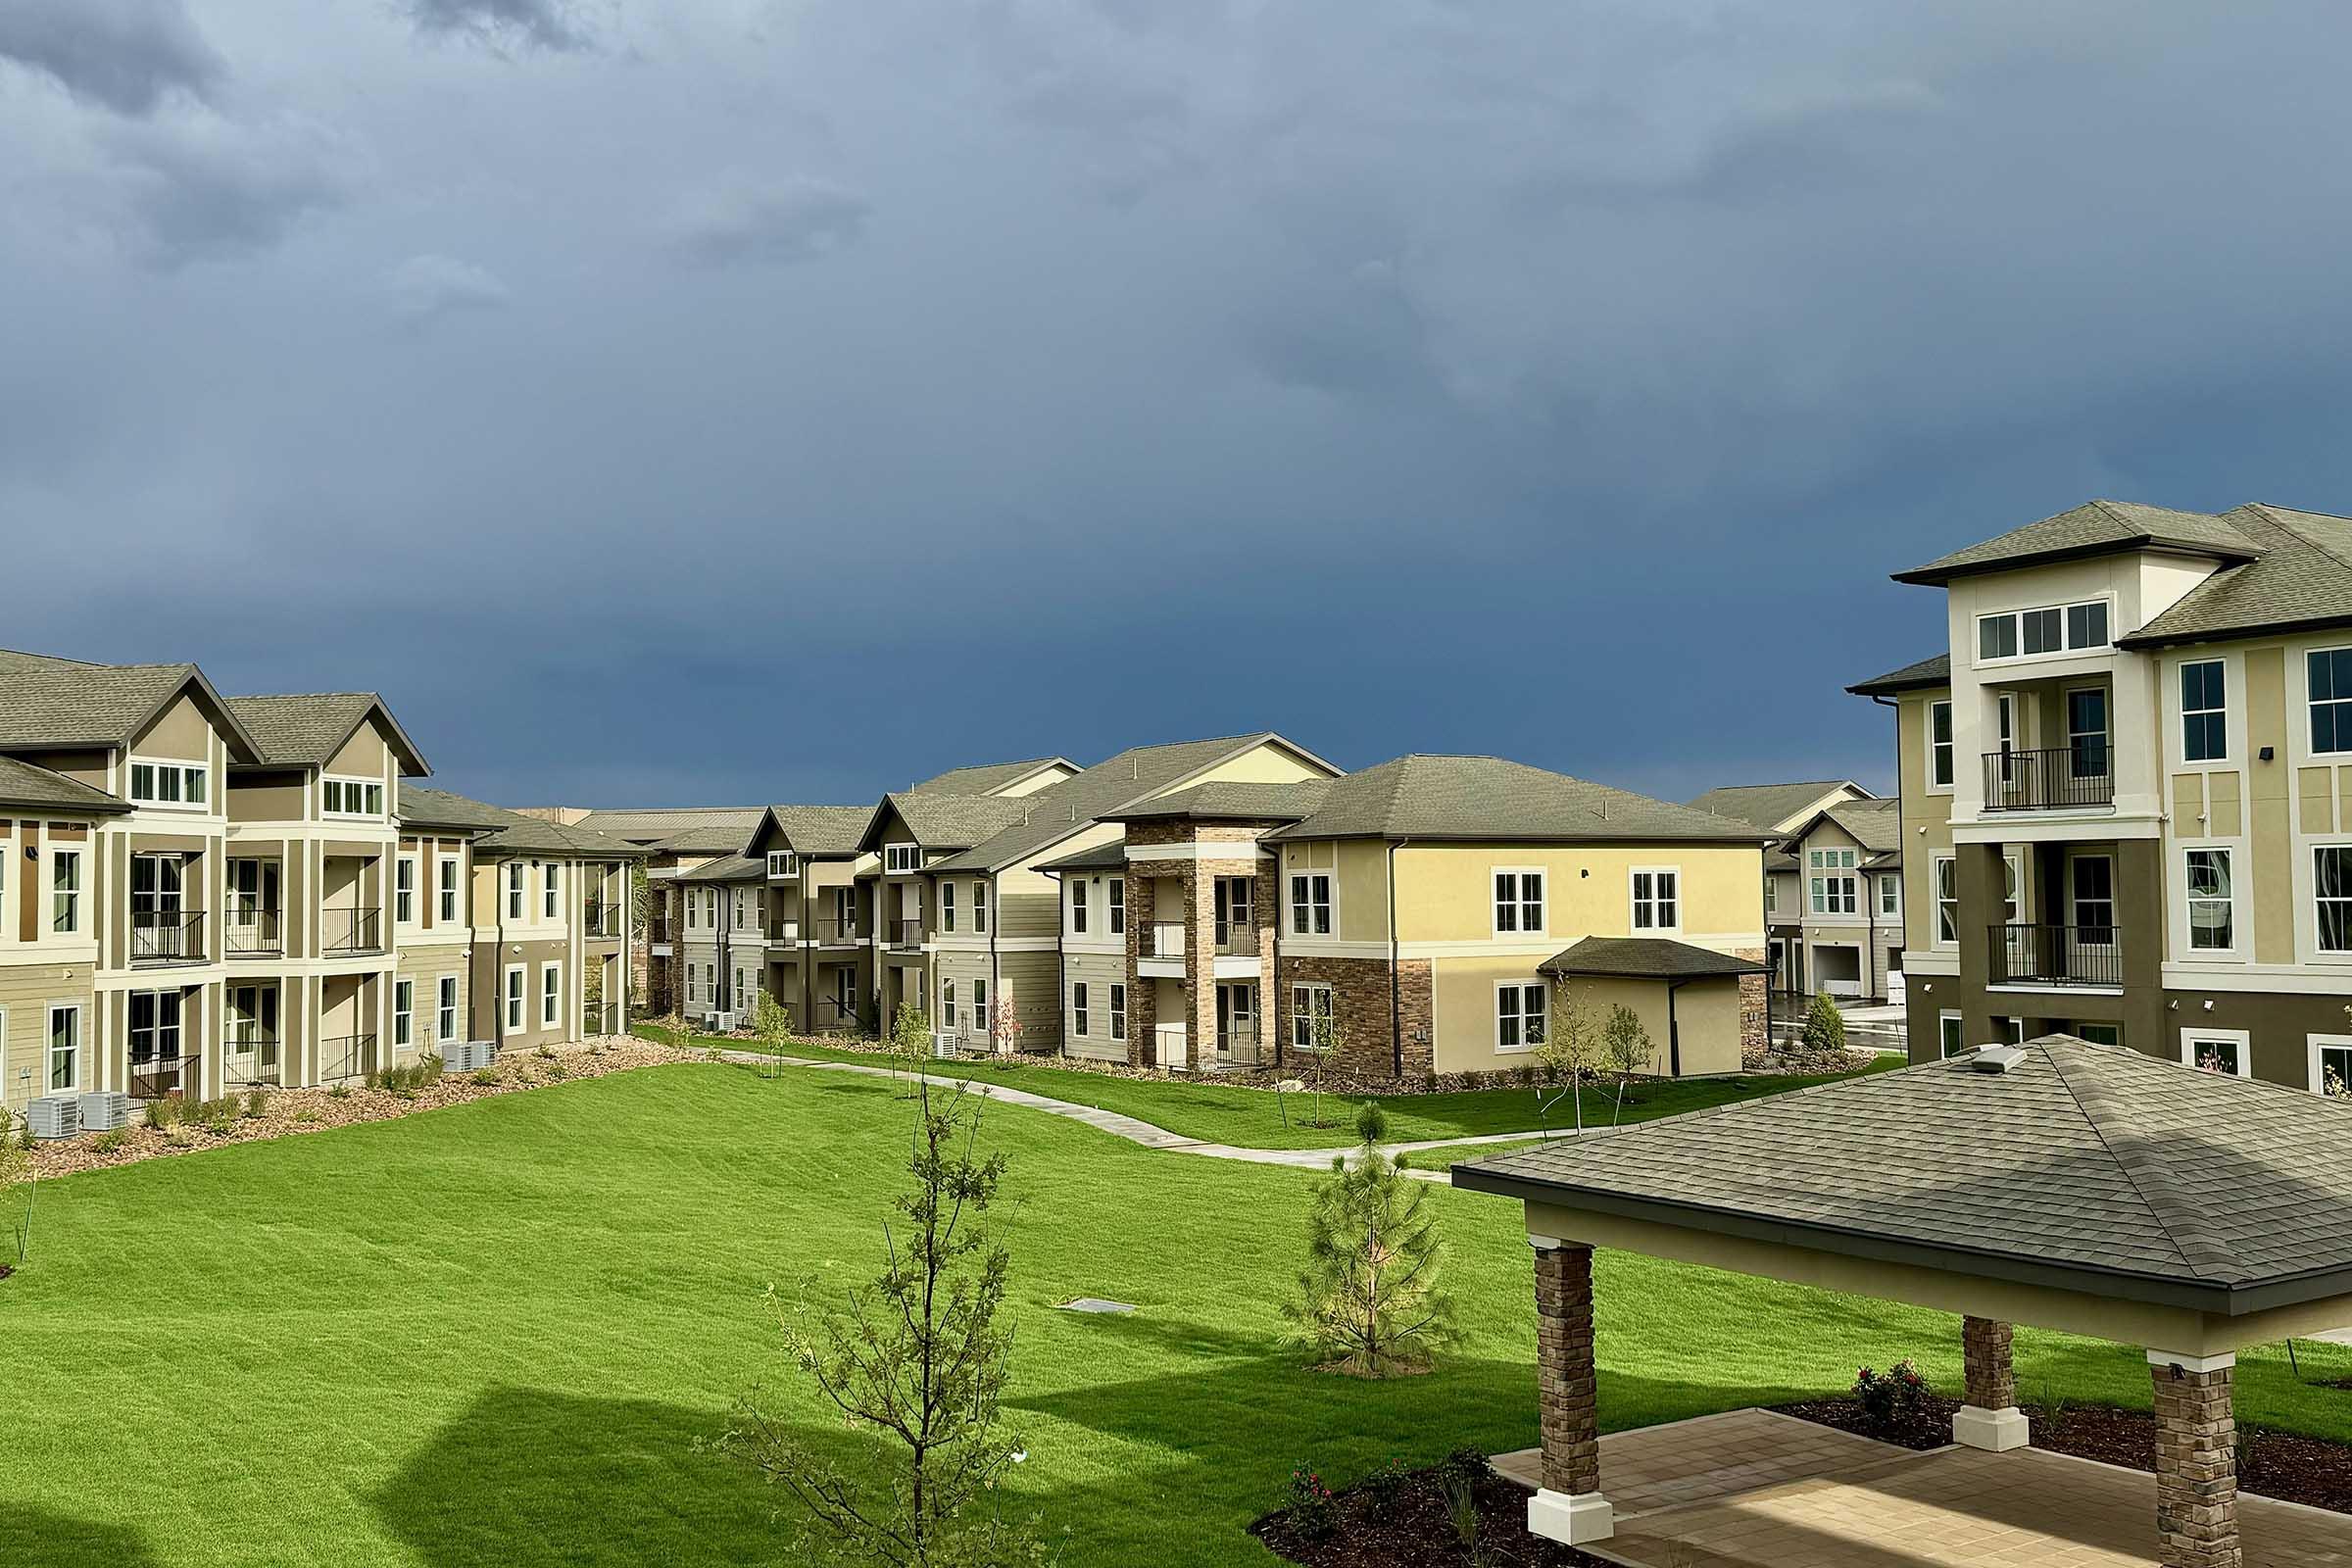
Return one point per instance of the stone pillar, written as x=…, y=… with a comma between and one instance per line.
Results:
x=1990, y=1419
x=2196, y=1460
x=1569, y=1507
x=1143, y=1011
x=1200, y=967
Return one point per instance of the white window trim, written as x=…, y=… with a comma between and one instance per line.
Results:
x=516, y=895
x=946, y=1023
x=1945, y=1048
x=1631, y=903
x=1292, y=1013
x=46, y=925
x=2228, y=711
x=1522, y=984
x=1081, y=1011
x=551, y=892
x=453, y=912
x=1936, y=901
x=81, y=1045
x=979, y=907
x=1331, y=874
x=1115, y=911
x=181, y=766
x=900, y=860
x=1926, y=756
x=551, y=998
x=364, y=784
x=402, y=983
x=415, y=868
x=946, y=907
x=1494, y=912
x=1077, y=909
x=1117, y=1009
x=457, y=1007
x=2311, y=902
x=2302, y=680
x=2318, y=1044
x=2016, y=616
x=782, y=865
x=512, y=1000
x=1888, y=881
x=2187, y=947
x=2191, y=1036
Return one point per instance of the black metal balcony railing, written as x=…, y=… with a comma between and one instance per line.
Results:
x=167, y=936
x=1159, y=939
x=2055, y=779
x=833, y=1014
x=352, y=930
x=2056, y=955
x=251, y=933
x=1236, y=937
x=834, y=931
x=154, y=1077
x=905, y=935
x=345, y=1057
x=599, y=919
x=250, y=1057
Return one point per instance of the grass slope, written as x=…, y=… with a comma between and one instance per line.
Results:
x=492, y=1335
x=1251, y=1118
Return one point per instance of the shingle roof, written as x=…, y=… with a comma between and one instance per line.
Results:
x=1646, y=959
x=47, y=702
x=2093, y=529
x=306, y=729
x=942, y=821
x=1877, y=825
x=1480, y=798
x=1137, y=773
x=430, y=807
x=22, y=784
x=985, y=778
x=1767, y=806
x=715, y=838
x=826, y=832
x=2093, y=1166
x=653, y=823
x=1112, y=857
x=1933, y=671
x=1230, y=801
x=726, y=868
x=499, y=829
x=2303, y=579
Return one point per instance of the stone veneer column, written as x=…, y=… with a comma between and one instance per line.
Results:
x=2196, y=1460
x=1200, y=966
x=1569, y=1507
x=1143, y=1012
x=1990, y=1419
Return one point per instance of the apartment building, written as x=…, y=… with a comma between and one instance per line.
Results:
x=674, y=839
x=2126, y=789
x=1814, y=896
x=209, y=890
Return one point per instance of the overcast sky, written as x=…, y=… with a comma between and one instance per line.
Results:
x=753, y=400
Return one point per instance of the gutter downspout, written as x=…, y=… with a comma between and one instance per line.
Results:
x=1395, y=1012
x=1674, y=1028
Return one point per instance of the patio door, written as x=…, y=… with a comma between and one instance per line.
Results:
x=1237, y=1023
x=157, y=930
x=2086, y=732
x=252, y=907
x=249, y=1045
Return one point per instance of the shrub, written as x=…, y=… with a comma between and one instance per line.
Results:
x=1892, y=1395
x=339, y=1091
x=1386, y=1484
x=556, y=1071
x=1369, y=1300
x=482, y=1076
x=429, y=1068
x=1461, y=1508
x=256, y=1101
x=1311, y=1512
x=544, y=1052
x=1470, y=1463
x=111, y=1142
x=306, y=1114
x=1371, y=1123
x=158, y=1115
x=1825, y=1026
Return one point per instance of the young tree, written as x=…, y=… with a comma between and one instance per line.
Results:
x=1570, y=1049
x=1625, y=1050
x=15, y=1185
x=1005, y=1027
x=1369, y=1302
x=910, y=1042
x=772, y=1023
x=1315, y=1070
x=916, y=1360
x=1825, y=1026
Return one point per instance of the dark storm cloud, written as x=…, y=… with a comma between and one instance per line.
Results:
x=126, y=55
x=546, y=24
x=206, y=188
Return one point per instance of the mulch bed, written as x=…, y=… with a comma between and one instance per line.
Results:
x=2276, y=1464
x=1405, y=1523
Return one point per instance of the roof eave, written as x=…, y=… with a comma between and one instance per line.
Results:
x=2268, y=629
x=1936, y=576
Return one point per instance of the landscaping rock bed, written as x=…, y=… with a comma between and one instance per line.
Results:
x=2276, y=1464
x=287, y=1111
x=1404, y=1522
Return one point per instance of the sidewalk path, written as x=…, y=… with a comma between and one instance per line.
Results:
x=1135, y=1130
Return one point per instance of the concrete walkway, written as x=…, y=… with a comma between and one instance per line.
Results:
x=1134, y=1129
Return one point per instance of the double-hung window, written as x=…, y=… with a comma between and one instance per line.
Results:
x=447, y=872
x=515, y=999
x=947, y=907
x=1118, y=1010
x=1940, y=744
x=980, y=1006
x=1891, y=897
x=445, y=1010
x=1080, y=1014
x=65, y=1046
x=64, y=895
x=1311, y=1020
x=515, y=875
x=783, y=864
x=2212, y=914
x=1118, y=905
x=1077, y=905
x=1311, y=903
x=1832, y=893
x=404, y=890
x=1518, y=902
x=1657, y=900
x=1519, y=1014
x=2331, y=894
x=403, y=1012
x=550, y=994
x=2204, y=712
x=947, y=1007
x=2328, y=674
x=979, y=908
x=551, y=880
x=1947, y=901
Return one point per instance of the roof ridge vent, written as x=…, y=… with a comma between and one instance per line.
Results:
x=1998, y=1058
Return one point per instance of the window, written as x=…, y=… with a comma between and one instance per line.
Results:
x=710, y=983
x=1518, y=902
x=2330, y=676
x=980, y=1006
x=1890, y=895
x=1772, y=896
x=2204, y=712
x=352, y=797
x=447, y=872
x=514, y=999
x=550, y=994
x=1940, y=744
x=403, y=1012
x=550, y=881
x=154, y=1026
x=946, y=905
x=64, y=897
x=175, y=784
x=1657, y=901
x=1312, y=1023
x=1118, y=905
x=2098, y=1034
x=1311, y=903
x=2051, y=629
x=947, y=1007
x=1079, y=1019
x=741, y=996
x=444, y=1012
x=1950, y=1037
x=2093, y=879
x=65, y=1048
x=404, y=890
x=1078, y=907
x=1947, y=902
x=514, y=890
x=1519, y=1014
x=1831, y=895
x=901, y=856
x=2331, y=894
x=782, y=863
x=2087, y=732
x=980, y=909
x=2212, y=916
x=2228, y=1052
x=1119, y=1010
x=2331, y=1065
x=743, y=907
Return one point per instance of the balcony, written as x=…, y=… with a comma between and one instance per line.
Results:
x=1161, y=939
x=904, y=936
x=2060, y=778
x=784, y=931
x=1237, y=937
x=250, y=1057
x=167, y=936
x=833, y=931
x=1237, y=1045
x=157, y=1077
x=345, y=1057
x=2056, y=955
x=601, y=919
x=253, y=934
x=343, y=932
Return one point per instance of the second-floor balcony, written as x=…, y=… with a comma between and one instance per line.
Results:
x=168, y=936
x=785, y=931
x=837, y=931
x=904, y=936
x=1161, y=939
x=343, y=932
x=599, y=919
x=2058, y=778
x=2056, y=955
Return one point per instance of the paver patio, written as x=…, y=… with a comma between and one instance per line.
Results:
x=1755, y=1489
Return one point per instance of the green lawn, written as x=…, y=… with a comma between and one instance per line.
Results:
x=1252, y=1118
x=491, y=1335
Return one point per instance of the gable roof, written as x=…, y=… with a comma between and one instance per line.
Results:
x=1231, y=801
x=22, y=784
x=2087, y=1167
x=1106, y=857
x=307, y=729
x=988, y=778
x=2302, y=580
x=1487, y=797
x=498, y=830
x=1767, y=805
x=653, y=824
x=1646, y=959
x=813, y=832
x=942, y=821
x=1933, y=671
x=726, y=868
x=48, y=702
x=1137, y=773
x=715, y=838
x=2093, y=529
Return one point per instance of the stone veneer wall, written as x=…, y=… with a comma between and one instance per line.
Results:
x=2196, y=1469
x=1755, y=1006
x=1360, y=1001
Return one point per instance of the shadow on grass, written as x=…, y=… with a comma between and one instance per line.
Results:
x=29, y=1535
